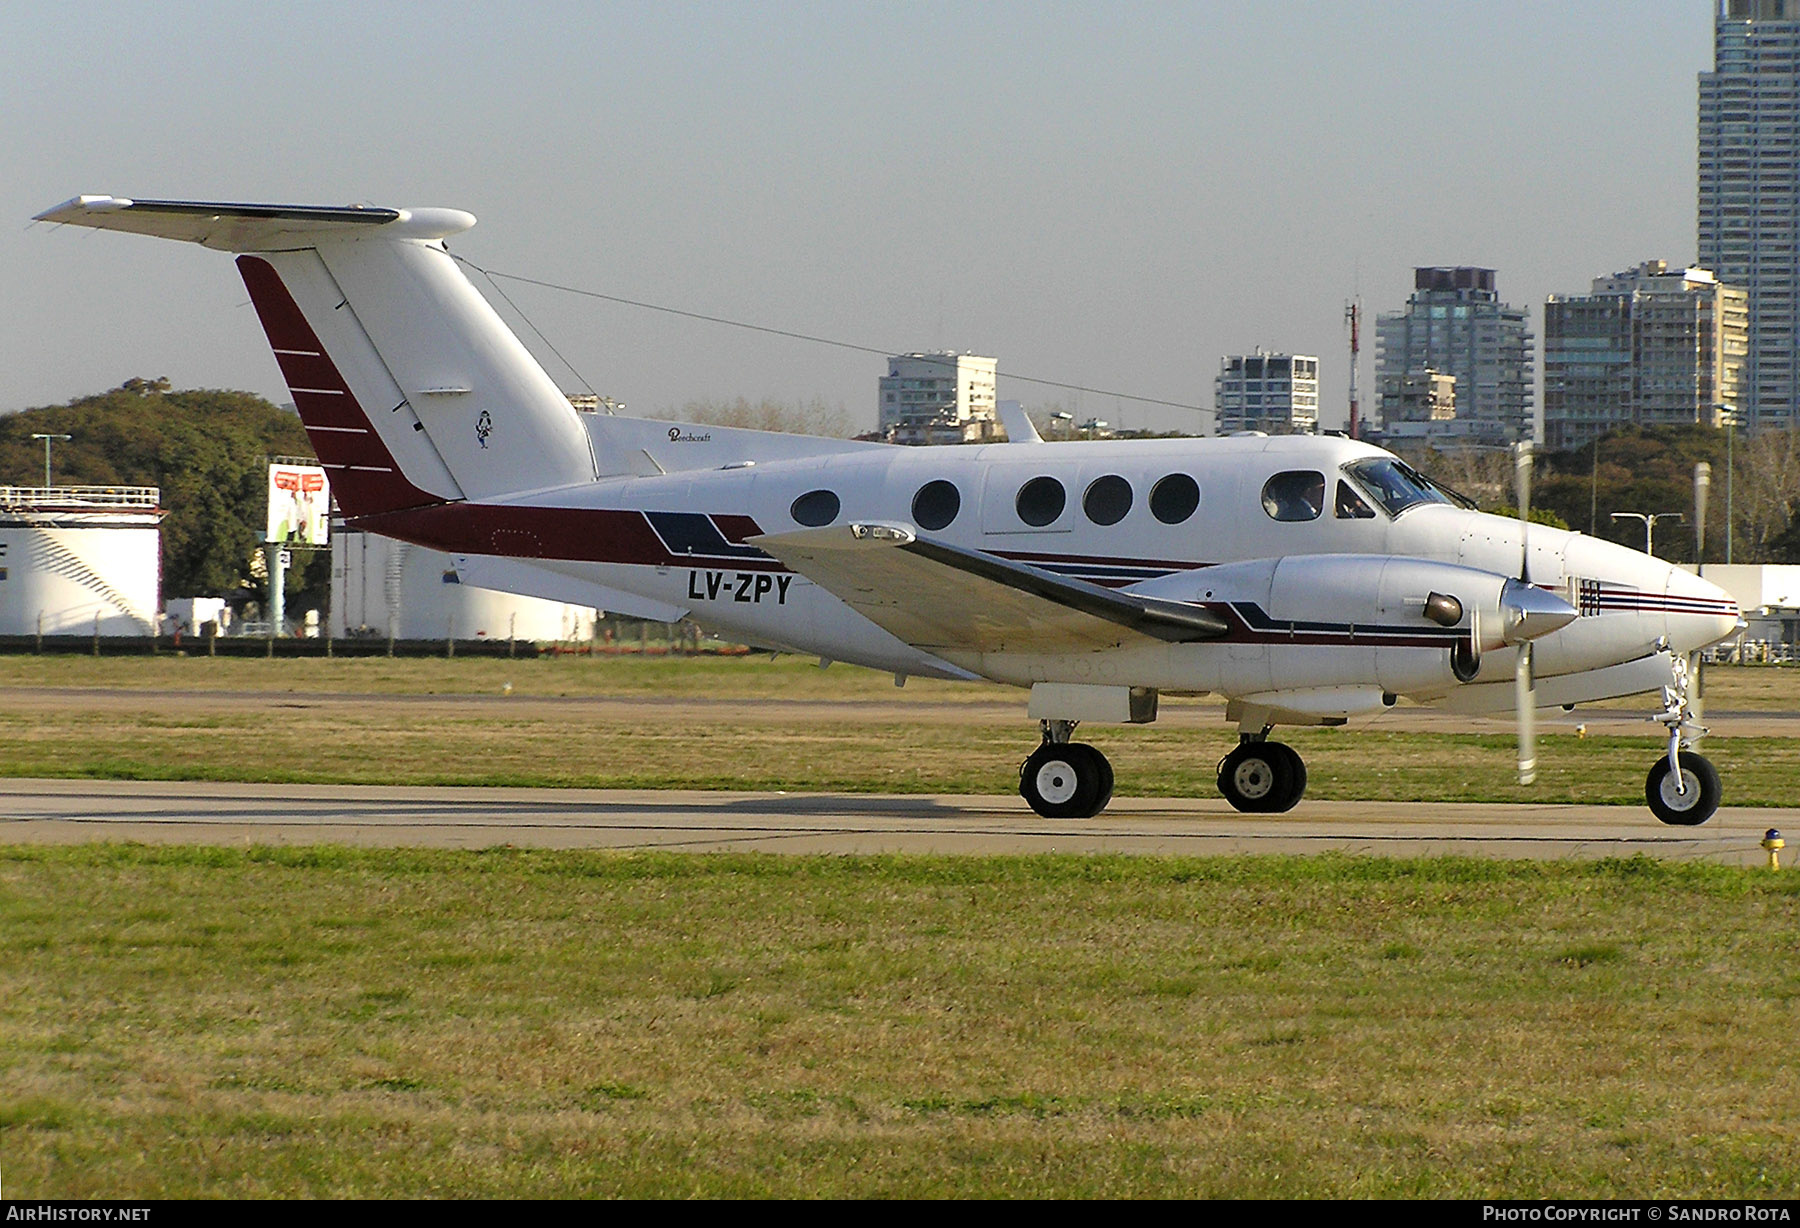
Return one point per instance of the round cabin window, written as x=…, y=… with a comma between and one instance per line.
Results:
x=1174, y=498
x=1107, y=499
x=1041, y=501
x=815, y=508
x=936, y=505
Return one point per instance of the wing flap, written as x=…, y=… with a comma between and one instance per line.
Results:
x=944, y=598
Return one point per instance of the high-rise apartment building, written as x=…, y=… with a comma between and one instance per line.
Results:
x=1275, y=393
x=1750, y=190
x=1421, y=407
x=1650, y=346
x=1455, y=325
x=942, y=397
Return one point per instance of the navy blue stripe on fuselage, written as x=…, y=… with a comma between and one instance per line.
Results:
x=694, y=535
x=1255, y=626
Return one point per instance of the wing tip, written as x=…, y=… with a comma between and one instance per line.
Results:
x=81, y=205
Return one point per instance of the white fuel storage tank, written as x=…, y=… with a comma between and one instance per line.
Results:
x=71, y=554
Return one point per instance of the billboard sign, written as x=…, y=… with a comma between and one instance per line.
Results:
x=299, y=505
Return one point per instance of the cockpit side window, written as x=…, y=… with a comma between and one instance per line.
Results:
x=1350, y=505
x=1298, y=494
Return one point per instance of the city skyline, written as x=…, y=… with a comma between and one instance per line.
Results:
x=1096, y=195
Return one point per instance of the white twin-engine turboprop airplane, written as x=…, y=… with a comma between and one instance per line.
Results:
x=1307, y=579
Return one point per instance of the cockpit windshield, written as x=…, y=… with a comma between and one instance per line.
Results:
x=1396, y=486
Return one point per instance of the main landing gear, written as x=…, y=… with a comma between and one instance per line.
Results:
x=1063, y=779
x=1682, y=788
x=1260, y=776
x=1071, y=780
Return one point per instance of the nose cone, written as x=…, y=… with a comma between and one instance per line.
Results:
x=1699, y=613
x=1530, y=612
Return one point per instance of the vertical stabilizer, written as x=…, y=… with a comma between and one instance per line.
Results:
x=498, y=421
x=372, y=470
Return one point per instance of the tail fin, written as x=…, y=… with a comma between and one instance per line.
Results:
x=411, y=388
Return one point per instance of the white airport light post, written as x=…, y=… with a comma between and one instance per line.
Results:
x=1702, y=489
x=1649, y=519
x=47, y=440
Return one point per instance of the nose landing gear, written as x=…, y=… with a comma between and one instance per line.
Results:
x=1682, y=788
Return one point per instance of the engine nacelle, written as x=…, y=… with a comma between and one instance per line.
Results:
x=1382, y=601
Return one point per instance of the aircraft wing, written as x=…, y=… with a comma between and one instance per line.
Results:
x=939, y=597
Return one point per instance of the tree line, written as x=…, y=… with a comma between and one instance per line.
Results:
x=1755, y=483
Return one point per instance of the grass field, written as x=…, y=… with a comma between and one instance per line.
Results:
x=757, y=676
x=180, y=1022
x=751, y=724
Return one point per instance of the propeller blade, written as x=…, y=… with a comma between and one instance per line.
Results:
x=1525, y=703
x=1532, y=620
x=1522, y=461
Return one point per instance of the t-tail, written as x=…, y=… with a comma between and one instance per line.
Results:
x=412, y=389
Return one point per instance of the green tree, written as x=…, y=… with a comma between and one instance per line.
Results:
x=1640, y=470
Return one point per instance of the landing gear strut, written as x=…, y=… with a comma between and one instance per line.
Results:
x=1682, y=788
x=1262, y=777
x=1063, y=779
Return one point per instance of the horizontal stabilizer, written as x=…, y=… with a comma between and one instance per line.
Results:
x=252, y=228
x=939, y=597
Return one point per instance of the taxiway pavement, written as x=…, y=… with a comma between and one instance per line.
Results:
x=69, y=811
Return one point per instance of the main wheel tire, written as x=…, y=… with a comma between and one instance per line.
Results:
x=1106, y=780
x=1697, y=800
x=1257, y=777
x=1296, y=785
x=1065, y=782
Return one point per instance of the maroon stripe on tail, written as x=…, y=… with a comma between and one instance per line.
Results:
x=365, y=480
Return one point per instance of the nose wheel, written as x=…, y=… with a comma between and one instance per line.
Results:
x=1262, y=777
x=1686, y=799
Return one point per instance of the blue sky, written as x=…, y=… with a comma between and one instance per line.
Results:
x=1112, y=195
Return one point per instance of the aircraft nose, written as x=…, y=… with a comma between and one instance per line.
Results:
x=1530, y=611
x=1699, y=612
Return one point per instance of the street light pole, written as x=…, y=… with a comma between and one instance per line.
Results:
x=1649, y=519
x=47, y=439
